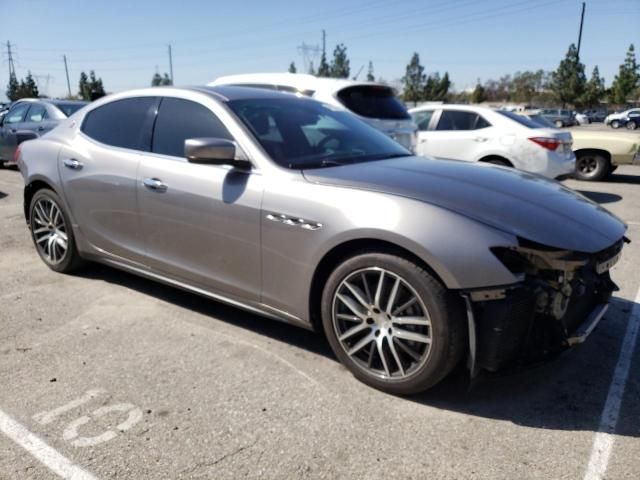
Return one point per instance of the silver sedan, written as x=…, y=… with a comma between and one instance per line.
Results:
x=299, y=212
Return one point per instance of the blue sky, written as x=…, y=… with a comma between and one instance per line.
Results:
x=124, y=41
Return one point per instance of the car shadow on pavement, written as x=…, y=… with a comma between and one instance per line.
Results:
x=622, y=178
x=601, y=197
x=2, y=195
x=567, y=393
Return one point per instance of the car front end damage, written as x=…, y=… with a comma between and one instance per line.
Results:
x=558, y=302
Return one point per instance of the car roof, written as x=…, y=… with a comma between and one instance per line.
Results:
x=451, y=106
x=299, y=81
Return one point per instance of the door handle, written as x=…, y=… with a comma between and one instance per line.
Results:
x=481, y=139
x=422, y=140
x=14, y=130
x=72, y=163
x=40, y=128
x=155, y=184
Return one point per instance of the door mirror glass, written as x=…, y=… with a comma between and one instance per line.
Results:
x=215, y=151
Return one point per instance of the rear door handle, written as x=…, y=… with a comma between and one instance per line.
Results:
x=481, y=139
x=155, y=184
x=40, y=128
x=72, y=163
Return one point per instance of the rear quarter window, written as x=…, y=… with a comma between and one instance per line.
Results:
x=373, y=101
x=121, y=123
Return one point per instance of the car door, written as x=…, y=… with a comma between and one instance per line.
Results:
x=11, y=124
x=35, y=118
x=201, y=223
x=458, y=135
x=99, y=175
x=423, y=120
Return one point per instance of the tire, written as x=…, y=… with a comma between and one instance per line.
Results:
x=592, y=166
x=49, y=225
x=416, y=355
x=615, y=124
x=559, y=123
x=632, y=125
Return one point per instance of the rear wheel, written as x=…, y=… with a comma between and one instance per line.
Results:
x=391, y=323
x=559, y=123
x=632, y=124
x=52, y=233
x=592, y=166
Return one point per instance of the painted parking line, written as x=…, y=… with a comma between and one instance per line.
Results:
x=50, y=458
x=605, y=438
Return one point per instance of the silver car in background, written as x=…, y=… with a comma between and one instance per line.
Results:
x=300, y=212
x=31, y=118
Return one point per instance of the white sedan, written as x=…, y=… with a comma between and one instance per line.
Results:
x=481, y=134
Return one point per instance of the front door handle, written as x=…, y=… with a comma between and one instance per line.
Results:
x=155, y=184
x=72, y=163
x=481, y=139
x=40, y=128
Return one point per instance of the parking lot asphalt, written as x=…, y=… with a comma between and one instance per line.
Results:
x=124, y=378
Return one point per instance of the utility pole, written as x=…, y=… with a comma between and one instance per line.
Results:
x=66, y=70
x=12, y=68
x=324, y=41
x=171, y=65
x=580, y=34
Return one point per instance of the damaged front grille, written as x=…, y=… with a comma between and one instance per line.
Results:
x=530, y=321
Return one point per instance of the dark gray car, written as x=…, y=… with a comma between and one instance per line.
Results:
x=301, y=212
x=31, y=118
x=560, y=118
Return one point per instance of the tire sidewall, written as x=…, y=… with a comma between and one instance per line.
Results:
x=600, y=171
x=67, y=263
x=430, y=372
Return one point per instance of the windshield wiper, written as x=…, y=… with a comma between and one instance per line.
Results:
x=319, y=164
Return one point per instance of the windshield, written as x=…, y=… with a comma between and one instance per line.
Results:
x=299, y=133
x=373, y=101
x=69, y=108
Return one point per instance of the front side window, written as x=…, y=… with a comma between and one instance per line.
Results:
x=37, y=112
x=422, y=119
x=179, y=120
x=120, y=123
x=460, y=120
x=299, y=134
x=17, y=113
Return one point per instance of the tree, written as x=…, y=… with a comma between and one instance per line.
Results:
x=28, y=88
x=414, y=80
x=96, y=88
x=323, y=69
x=166, y=80
x=568, y=81
x=594, y=90
x=443, y=87
x=84, y=89
x=292, y=68
x=370, y=76
x=627, y=80
x=13, y=88
x=340, y=64
x=156, y=80
x=479, y=94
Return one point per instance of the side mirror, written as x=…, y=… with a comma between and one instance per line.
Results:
x=215, y=151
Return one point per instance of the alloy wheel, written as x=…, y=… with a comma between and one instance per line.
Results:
x=382, y=323
x=587, y=165
x=49, y=230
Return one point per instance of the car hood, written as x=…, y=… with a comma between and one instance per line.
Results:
x=528, y=206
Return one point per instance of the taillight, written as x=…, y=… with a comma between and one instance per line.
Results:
x=16, y=155
x=545, y=142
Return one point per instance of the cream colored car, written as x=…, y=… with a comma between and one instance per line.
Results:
x=600, y=153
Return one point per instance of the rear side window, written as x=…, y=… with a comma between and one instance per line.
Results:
x=37, y=113
x=179, y=120
x=373, y=101
x=120, y=123
x=69, y=108
x=460, y=120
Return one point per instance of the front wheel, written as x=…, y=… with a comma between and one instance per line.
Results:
x=391, y=323
x=559, y=123
x=52, y=233
x=615, y=124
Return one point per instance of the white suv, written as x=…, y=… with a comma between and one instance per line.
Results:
x=481, y=134
x=374, y=103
